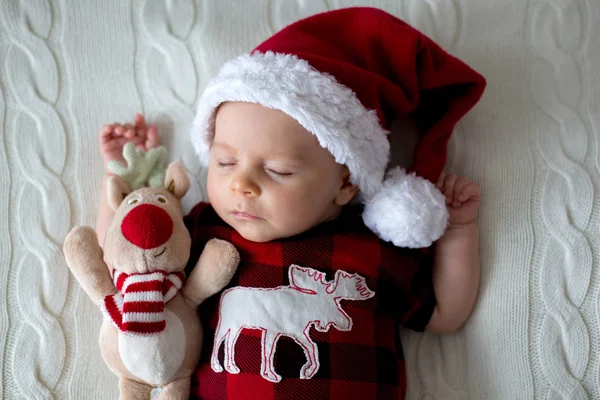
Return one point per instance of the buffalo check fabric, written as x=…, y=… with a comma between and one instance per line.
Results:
x=314, y=316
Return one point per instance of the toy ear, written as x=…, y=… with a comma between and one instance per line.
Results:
x=116, y=190
x=176, y=180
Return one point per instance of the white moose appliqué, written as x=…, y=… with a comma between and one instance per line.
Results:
x=289, y=311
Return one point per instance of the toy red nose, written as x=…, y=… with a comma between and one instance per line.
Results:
x=147, y=226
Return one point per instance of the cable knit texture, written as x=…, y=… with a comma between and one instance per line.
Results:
x=532, y=142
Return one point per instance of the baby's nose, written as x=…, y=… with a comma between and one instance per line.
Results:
x=147, y=226
x=244, y=185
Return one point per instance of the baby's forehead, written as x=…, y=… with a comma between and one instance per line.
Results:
x=254, y=129
x=288, y=152
x=275, y=144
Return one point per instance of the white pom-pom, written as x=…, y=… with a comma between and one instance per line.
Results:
x=408, y=211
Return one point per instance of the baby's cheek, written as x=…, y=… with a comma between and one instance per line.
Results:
x=214, y=190
x=300, y=209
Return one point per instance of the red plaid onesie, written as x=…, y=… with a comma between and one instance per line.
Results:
x=310, y=317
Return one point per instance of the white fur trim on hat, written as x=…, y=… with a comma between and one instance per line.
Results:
x=408, y=211
x=329, y=110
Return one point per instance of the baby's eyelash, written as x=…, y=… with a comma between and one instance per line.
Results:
x=280, y=174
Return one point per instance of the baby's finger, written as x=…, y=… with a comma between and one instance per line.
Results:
x=471, y=191
x=140, y=122
x=119, y=130
x=107, y=128
x=449, y=187
x=140, y=127
x=152, y=137
x=129, y=132
x=440, y=183
x=460, y=184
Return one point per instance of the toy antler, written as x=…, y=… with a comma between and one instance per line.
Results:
x=144, y=168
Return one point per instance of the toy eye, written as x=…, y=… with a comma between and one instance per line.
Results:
x=161, y=198
x=132, y=201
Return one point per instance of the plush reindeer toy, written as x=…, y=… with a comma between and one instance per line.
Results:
x=151, y=335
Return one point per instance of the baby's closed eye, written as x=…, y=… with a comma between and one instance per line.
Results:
x=278, y=172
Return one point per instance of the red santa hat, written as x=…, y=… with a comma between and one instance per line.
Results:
x=345, y=75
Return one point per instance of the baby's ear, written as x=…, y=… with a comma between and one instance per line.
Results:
x=116, y=190
x=347, y=189
x=176, y=180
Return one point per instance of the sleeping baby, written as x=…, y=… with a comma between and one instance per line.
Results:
x=338, y=251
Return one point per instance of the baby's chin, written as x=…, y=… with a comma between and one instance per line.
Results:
x=258, y=231
x=255, y=233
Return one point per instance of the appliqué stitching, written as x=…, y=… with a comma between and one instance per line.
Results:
x=307, y=293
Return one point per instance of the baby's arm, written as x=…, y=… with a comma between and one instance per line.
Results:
x=456, y=256
x=112, y=139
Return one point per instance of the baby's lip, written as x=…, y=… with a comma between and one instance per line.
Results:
x=242, y=214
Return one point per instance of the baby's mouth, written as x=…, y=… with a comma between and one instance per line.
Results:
x=244, y=215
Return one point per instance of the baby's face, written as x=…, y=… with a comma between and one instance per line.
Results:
x=268, y=177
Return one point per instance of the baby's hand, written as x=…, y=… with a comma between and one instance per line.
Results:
x=463, y=198
x=114, y=136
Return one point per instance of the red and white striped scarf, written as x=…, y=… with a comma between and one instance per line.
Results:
x=139, y=306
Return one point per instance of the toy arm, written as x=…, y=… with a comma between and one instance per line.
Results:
x=85, y=260
x=215, y=268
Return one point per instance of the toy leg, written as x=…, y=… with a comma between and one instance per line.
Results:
x=176, y=390
x=133, y=390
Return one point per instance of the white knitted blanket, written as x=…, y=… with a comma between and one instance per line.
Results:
x=67, y=67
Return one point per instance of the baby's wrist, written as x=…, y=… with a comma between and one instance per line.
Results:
x=107, y=161
x=457, y=233
x=462, y=225
x=107, y=170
